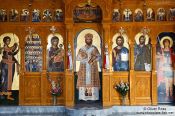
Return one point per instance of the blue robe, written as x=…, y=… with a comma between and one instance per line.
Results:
x=142, y=55
x=7, y=69
x=118, y=64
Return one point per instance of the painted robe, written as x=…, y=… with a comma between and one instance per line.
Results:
x=142, y=57
x=120, y=59
x=8, y=68
x=88, y=81
x=165, y=75
x=56, y=64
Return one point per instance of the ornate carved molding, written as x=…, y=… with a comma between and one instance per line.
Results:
x=105, y=5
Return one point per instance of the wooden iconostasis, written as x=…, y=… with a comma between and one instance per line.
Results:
x=37, y=30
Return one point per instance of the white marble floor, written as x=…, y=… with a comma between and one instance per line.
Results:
x=161, y=110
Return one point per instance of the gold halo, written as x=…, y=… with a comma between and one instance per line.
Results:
x=138, y=36
x=124, y=12
x=138, y=9
x=158, y=10
x=14, y=38
x=57, y=35
x=166, y=37
x=81, y=42
x=150, y=9
x=125, y=37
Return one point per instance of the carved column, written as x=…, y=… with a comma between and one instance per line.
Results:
x=44, y=78
x=69, y=75
x=154, y=76
x=43, y=37
x=106, y=74
x=132, y=75
x=144, y=10
x=21, y=77
x=131, y=56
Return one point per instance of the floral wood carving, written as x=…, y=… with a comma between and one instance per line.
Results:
x=105, y=5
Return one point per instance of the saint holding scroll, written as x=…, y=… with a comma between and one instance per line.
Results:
x=88, y=82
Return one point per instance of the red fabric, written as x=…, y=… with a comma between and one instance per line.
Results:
x=68, y=62
x=172, y=55
x=104, y=64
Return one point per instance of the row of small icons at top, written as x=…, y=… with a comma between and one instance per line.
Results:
x=47, y=15
x=36, y=15
x=139, y=14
